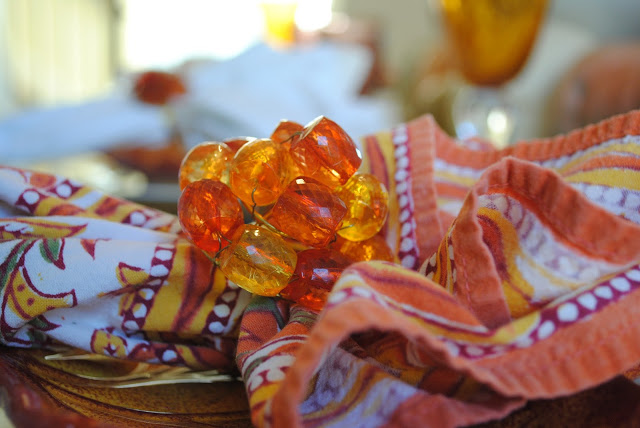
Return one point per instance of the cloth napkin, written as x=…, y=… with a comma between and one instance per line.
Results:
x=246, y=95
x=250, y=93
x=517, y=278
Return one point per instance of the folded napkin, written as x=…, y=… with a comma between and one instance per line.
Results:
x=248, y=94
x=517, y=278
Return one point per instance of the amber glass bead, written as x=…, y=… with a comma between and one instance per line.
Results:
x=237, y=142
x=316, y=272
x=326, y=153
x=209, y=214
x=308, y=212
x=259, y=172
x=287, y=132
x=258, y=260
x=375, y=248
x=206, y=160
x=367, y=202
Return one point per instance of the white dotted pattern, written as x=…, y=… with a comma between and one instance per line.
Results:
x=554, y=317
x=408, y=248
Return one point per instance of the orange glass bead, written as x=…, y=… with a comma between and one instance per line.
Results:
x=375, y=248
x=206, y=160
x=258, y=260
x=209, y=214
x=259, y=172
x=308, y=212
x=287, y=132
x=237, y=142
x=326, y=153
x=316, y=272
x=367, y=202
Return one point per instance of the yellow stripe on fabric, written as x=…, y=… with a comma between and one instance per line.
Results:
x=442, y=327
x=187, y=355
x=199, y=320
x=510, y=246
x=263, y=393
x=449, y=177
x=444, y=272
x=481, y=337
x=612, y=177
x=47, y=204
x=518, y=291
x=394, y=356
x=386, y=146
x=621, y=148
x=115, y=210
x=41, y=228
x=168, y=298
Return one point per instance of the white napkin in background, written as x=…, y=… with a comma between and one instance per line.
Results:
x=251, y=93
x=245, y=96
x=68, y=130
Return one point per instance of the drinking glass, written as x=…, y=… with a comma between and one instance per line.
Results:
x=492, y=40
x=279, y=20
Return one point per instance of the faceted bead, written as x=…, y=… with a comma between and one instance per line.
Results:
x=259, y=172
x=367, y=201
x=326, y=153
x=316, y=272
x=375, y=248
x=258, y=260
x=237, y=142
x=206, y=160
x=209, y=214
x=287, y=132
x=308, y=212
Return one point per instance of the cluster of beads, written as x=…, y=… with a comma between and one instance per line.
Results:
x=284, y=215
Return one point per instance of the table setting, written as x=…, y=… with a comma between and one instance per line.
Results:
x=341, y=266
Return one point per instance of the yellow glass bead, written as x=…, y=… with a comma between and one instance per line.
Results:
x=258, y=260
x=260, y=171
x=206, y=160
x=374, y=248
x=367, y=202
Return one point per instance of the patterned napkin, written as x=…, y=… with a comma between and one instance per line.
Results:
x=516, y=278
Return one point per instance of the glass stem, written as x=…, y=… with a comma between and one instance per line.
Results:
x=484, y=112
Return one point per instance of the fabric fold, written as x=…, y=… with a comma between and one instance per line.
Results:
x=538, y=266
x=517, y=278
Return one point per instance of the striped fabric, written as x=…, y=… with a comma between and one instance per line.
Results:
x=517, y=278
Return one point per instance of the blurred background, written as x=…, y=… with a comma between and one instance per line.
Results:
x=68, y=70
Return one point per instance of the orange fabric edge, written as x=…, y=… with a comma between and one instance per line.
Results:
x=567, y=210
x=509, y=374
x=429, y=229
x=543, y=148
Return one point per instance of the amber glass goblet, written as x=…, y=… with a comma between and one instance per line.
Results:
x=492, y=40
